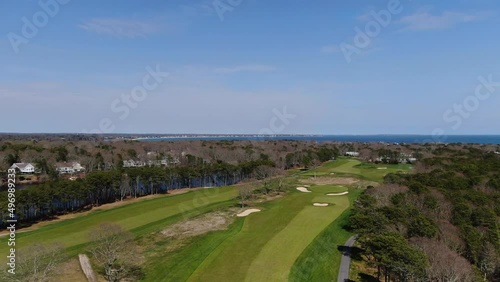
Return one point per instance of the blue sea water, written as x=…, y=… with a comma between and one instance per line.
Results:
x=470, y=139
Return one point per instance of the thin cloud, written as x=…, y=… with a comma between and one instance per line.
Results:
x=424, y=20
x=245, y=68
x=121, y=28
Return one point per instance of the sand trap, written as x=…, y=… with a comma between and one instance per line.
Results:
x=338, y=194
x=247, y=212
x=303, y=189
x=307, y=186
x=381, y=168
x=320, y=205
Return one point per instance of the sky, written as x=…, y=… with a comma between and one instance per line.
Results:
x=250, y=66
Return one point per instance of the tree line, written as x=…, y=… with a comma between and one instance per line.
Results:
x=440, y=223
x=62, y=196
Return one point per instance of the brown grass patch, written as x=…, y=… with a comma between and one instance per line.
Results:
x=330, y=180
x=200, y=225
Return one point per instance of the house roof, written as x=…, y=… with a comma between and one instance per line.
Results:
x=22, y=165
x=66, y=164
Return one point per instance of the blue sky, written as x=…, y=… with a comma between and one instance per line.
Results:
x=233, y=65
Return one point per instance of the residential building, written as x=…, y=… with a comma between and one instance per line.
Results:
x=24, y=167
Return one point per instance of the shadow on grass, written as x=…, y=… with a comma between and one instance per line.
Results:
x=353, y=252
x=367, y=278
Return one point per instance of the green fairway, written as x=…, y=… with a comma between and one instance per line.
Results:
x=290, y=239
x=354, y=167
x=320, y=261
x=138, y=217
x=271, y=241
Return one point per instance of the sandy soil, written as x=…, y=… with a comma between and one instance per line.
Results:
x=338, y=194
x=103, y=207
x=200, y=225
x=303, y=189
x=247, y=212
x=320, y=205
x=70, y=271
x=87, y=268
x=330, y=180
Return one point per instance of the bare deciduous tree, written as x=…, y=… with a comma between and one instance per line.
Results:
x=114, y=249
x=444, y=263
x=245, y=192
x=37, y=263
x=124, y=186
x=264, y=173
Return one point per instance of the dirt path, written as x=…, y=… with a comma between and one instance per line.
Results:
x=87, y=268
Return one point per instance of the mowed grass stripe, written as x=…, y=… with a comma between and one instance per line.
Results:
x=231, y=261
x=278, y=256
x=320, y=261
x=354, y=167
x=180, y=264
x=73, y=232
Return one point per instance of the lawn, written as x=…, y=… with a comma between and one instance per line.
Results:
x=140, y=217
x=320, y=261
x=272, y=240
x=354, y=167
x=290, y=239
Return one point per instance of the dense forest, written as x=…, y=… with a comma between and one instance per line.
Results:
x=440, y=223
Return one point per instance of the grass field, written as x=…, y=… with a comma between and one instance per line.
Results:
x=290, y=239
x=354, y=167
x=320, y=261
x=139, y=217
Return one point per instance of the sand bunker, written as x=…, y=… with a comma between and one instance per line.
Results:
x=338, y=194
x=381, y=168
x=303, y=189
x=307, y=186
x=320, y=205
x=247, y=212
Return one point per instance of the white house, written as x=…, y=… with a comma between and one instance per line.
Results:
x=352, y=154
x=24, y=167
x=73, y=167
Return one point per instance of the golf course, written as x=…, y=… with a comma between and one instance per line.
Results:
x=291, y=236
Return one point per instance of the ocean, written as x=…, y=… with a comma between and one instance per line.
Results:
x=470, y=139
